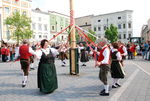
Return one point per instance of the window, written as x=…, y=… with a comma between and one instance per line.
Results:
x=129, y=35
x=99, y=20
x=33, y=36
x=53, y=28
x=94, y=28
x=24, y=13
x=124, y=36
x=7, y=10
x=85, y=23
x=105, y=27
x=124, y=26
x=45, y=36
x=15, y=10
x=119, y=36
x=40, y=36
x=129, y=25
x=24, y=4
x=40, y=26
x=7, y=0
x=119, y=26
x=15, y=2
x=45, y=27
x=99, y=28
x=61, y=28
x=119, y=17
x=33, y=26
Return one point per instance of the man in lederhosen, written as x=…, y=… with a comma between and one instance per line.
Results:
x=104, y=64
x=24, y=52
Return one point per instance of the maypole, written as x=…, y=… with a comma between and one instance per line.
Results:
x=74, y=66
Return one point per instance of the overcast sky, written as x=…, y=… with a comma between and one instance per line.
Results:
x=141, y=8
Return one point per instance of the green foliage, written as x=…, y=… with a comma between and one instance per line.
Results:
x=112, y=33
x=19, y=25
x=92, y=37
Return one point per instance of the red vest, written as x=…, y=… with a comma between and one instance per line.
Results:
x=4, y=51
x=24, y=52
x=101, y=57
x=121, y=50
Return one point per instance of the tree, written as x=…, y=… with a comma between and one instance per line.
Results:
x=111, y=33
x=20, y=26
x=92, y=36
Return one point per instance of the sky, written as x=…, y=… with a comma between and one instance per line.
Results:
x=141, y=9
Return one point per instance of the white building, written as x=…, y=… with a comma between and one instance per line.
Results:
x=40, y=25
x=121, y=19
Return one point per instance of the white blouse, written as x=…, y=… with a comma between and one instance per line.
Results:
x=46, y=51
x=119, y=57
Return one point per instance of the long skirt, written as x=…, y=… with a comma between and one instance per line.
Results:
x=84, y=57
x=117, y=70
x=47, y=77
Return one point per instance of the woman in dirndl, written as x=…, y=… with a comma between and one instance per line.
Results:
x=116, y=66
x=83, y=54
x=47, y=77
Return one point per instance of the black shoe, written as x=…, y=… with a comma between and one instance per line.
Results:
x=104, y=94
x=83, y=65
x=103, y=91
x=114, y=86
x=64, y=62
x=23, y=85
x=118, y=85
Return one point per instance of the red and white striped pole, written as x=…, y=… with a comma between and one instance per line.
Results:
x=73, y=51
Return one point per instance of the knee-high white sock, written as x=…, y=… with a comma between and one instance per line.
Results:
x=106, y=88
x=31, y=65
x=117, y=81
x=114, y=81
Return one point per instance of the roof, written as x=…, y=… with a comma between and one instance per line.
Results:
x=58, y=13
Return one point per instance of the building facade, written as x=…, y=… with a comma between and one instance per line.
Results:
x=121, y=19
x=40, y=25
x=148, y=32
x=58, y=22
x=84, y=22
x=145, y=32
x=7, y=8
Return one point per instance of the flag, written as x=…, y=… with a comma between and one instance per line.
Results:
x=16, y=0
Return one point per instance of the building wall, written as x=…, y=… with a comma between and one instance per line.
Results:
x=40, y=25
x=148, y=33
x=57, y=23
x=144, y=31
x=10, y=6
x=122, y=20
x=84, y=22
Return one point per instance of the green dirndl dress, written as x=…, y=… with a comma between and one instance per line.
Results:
x=47, y=77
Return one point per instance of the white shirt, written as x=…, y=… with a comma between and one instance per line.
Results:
x=125, y=51
x=119, y=57
x=46, y=51
x=106, y=54
x=80, y=48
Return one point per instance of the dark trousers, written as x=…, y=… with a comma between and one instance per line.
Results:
x=4, y=58
x=25, y=66
x=103, y=73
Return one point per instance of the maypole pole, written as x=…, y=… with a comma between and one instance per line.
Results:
x=74, y=66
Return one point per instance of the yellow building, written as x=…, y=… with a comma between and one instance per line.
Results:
x=7, y=8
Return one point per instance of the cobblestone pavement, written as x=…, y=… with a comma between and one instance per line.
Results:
x=85, y=87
